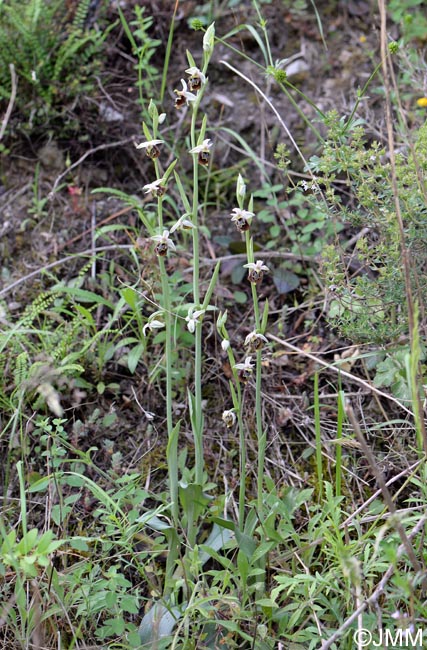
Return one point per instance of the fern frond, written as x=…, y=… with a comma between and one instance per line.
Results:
x=20, y=371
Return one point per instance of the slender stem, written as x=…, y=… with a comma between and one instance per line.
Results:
x=338, y=454
x=197, y=416
x=261, y=437
x=172, y=455
x=173, y=440
x=168, y=52
x=319, y=461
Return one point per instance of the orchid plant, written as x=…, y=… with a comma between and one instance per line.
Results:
x=189, y=492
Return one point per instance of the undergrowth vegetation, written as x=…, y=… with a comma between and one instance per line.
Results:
x=213, y=427
x=52, y=51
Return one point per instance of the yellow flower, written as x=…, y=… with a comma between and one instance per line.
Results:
x=422, y=101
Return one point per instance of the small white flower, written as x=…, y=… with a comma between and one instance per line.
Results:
x=242, y=218
x=152, y=325
x=162, y=118
x=256, y=271
x=184, y=96
x=245, y=370
x=182, y=224
x=225, y=345
x=193, y=318
x=256, y=266
x=195, y=72
x=229, y=418
x=164, y=243
x=155, y=187
x=149, y=144
x=202, y=148
x=255, y=340
x=197, y=78
x=247, y=365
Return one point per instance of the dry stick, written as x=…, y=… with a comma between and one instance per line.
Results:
x=46, y=267
x=379, y=477
x=82, y=158
x=11, y=100
x=336, y=369
x=89, y=230
x=373, y=598
x=281, y=122
x=385, y=62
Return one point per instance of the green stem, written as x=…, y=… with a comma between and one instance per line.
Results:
x=236, y=394
x=261, y=437
x=338, y=453
x=168, y=53
x=197, y=419
x=172, y=455
x=173, y=440
x=319, y=463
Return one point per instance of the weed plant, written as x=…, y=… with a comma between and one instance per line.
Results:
x=56, y=58
x=175, y=553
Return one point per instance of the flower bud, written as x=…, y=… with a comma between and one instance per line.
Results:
x=222, y=319
x=240, y=188
x=209, y=39
x=229, y=418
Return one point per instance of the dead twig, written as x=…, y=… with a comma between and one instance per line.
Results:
x=11, y=100
x=338, y=370
x=373, y=598
x=78, y=162
x=64, y=260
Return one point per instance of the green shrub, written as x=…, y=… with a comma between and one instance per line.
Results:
x=367, y=286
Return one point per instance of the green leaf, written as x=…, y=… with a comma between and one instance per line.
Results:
x=158, y=623
x=134, y=357
x=246, y=544
x=130, y=296
x=83, y=295
x=191, y=61
x=193, y=501
x=262, y=550
x=243, y=566
x=285, y=281
x=28, y=542
x=129, y=604
x=237, y=274
x=40, y=485
x=79, y=543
